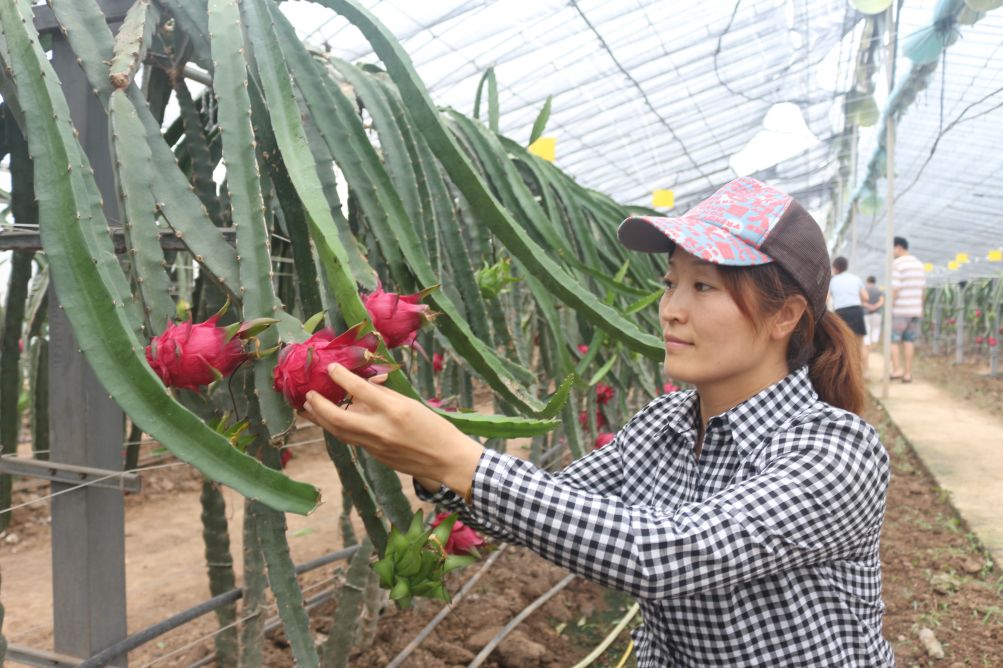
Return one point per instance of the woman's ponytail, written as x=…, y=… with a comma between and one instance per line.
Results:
x=835, y=368
x=826, y=345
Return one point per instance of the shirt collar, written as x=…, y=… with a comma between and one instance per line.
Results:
x=761, y=414
x=681, y=412
x=750, y=420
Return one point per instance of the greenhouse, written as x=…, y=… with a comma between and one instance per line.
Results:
x=496, y=333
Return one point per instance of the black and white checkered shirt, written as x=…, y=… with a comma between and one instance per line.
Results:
x=762, y=553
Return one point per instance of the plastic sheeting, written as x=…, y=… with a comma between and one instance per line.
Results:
x=661, y=95
x=948, y=159
x=646, y=94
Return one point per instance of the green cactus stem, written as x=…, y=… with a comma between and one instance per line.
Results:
x=519, y=243
x=198, y=151
x=270, y=530
x=219, y=564
x=90, y=284
x=362, y=496
x=252, y=610
x=341, y=127
x=282, y=580
x=441, y=212
x=89, y=36
x=10, y=371
x=132, y=41
x=246, y=203
x=193, y=19
x=138, y=208
x=345, y=519
x=38, y=388
x=3, y=640
x=291, y=139
x=348, y=612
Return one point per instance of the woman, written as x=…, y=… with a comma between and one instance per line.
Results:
x=873, y=311
x=744, y=515
x=848, y=298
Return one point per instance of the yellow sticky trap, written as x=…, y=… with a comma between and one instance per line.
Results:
x=961, y=258
x=544, y=147
x=953, y=265
x=663, y=199
x=995, y=255
x=928, y=267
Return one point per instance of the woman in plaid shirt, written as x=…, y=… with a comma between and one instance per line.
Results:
x=744, y=515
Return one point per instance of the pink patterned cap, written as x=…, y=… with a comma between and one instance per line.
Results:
x=745, y=223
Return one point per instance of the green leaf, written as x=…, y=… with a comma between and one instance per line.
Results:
x=541, y=120
x=384, y=568
x=400, y=590
x=255, y=326
x=445, y=528
x=408, y=563
x=603, y=370
x=313, y=321
x=455, y=561
x=499, y=426
x=643, y=303
x=417, y=527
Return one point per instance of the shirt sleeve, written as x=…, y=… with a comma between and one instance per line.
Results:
x=897, y=278
x=815, y=501
x=599, y=472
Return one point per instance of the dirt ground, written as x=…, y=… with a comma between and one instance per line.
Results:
x=936, y=577
x=976, y=386
x=936, y=574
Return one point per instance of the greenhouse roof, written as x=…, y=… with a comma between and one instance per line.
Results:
x=667, y=96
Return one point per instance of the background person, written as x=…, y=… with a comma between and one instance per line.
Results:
x=848, y=296
x=745, y=514
x=908, y=291
x=874, y=309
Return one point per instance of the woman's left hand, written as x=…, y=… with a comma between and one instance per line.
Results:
x=398, y=431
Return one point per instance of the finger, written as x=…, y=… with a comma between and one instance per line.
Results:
x=354, y=385
x=380, y=379
x=332, y=417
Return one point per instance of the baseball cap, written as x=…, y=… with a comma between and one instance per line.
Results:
x=744, y=224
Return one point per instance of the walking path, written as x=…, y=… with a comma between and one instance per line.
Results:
x=960, y=445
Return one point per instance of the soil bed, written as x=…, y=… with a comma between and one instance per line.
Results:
x=969, y=380
x=936, y=573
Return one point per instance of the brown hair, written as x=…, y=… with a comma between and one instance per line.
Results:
x=825, y=344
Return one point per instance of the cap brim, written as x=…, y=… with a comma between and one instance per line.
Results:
x=708, y=242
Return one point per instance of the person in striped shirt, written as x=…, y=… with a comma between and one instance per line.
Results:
x=908, y=290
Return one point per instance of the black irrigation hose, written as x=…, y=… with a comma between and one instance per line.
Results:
x=160, y=628
x=526, y=612
x=274, y=621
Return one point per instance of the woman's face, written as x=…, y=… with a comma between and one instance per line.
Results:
x=708, y=340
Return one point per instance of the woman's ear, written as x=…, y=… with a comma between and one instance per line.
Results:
x=787, y=318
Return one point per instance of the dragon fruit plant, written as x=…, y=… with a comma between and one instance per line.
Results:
x=416, y=561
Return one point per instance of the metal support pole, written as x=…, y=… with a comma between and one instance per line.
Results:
x=938, y=311
x=886, y=334
x=88, y=524
x=994, y=351
x=853, y=201
x=959, y=336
